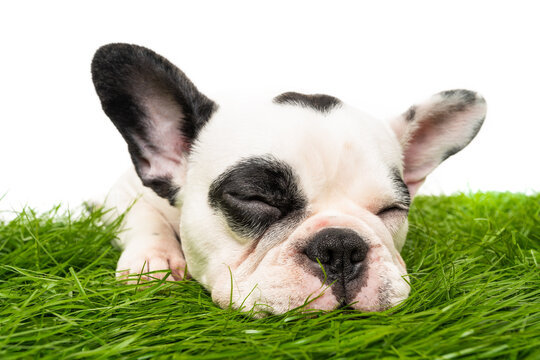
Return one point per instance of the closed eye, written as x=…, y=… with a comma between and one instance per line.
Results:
x=255, y=203
x=254, y=212
x=393, y=209
x=250, y=197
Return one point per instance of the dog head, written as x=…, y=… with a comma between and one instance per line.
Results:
x=296, y=200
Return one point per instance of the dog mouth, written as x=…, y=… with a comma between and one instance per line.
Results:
x=338, y=267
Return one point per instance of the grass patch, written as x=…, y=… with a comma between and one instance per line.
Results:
x=473, y=260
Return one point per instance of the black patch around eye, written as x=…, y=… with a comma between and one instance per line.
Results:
x=256, y=193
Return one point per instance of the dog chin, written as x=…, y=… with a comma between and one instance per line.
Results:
x=321, y=300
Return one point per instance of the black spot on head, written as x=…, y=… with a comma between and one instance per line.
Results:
x=256, y=193
x=319, y=102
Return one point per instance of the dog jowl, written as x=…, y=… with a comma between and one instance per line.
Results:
x=299, y=199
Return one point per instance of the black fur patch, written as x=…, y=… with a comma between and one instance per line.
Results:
x=126, y=75
x=460, y=99
x=256, y=193
x=164, y=187
x=400, y=187
x=410, y=114
x=467, y=97
x=451, y=152
x=319, y=102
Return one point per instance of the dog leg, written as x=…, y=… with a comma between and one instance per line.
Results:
x=149, y=236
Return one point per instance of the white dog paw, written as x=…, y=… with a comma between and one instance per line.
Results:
x=150, y=264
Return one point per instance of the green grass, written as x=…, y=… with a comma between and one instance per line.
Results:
x=473, y=261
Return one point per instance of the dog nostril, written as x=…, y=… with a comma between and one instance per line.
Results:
x=319, y=255
x=326, y=257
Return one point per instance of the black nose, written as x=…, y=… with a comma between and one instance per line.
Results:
x=340, y=252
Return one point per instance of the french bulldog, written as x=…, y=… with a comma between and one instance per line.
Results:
x=299, y=200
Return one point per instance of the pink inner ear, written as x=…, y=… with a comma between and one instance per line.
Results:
x=420, y=159
x=422, y=154
x=166, y=155
x=414, y=186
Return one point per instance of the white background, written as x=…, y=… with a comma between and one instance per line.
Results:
x=57, y=146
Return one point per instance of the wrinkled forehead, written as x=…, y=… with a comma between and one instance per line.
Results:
x=318, y=140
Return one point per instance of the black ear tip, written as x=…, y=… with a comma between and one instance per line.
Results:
x=110, y=51
x=112, y=64
x=116, y=54
x=104, y=56
x=463, y=95
x=115, y=48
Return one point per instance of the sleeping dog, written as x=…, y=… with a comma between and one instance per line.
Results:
x=299, y=200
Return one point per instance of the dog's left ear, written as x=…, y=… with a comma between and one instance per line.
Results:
x=431, y=132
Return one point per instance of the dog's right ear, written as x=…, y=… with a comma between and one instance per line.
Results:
x=436, y=129
x=156, y=108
